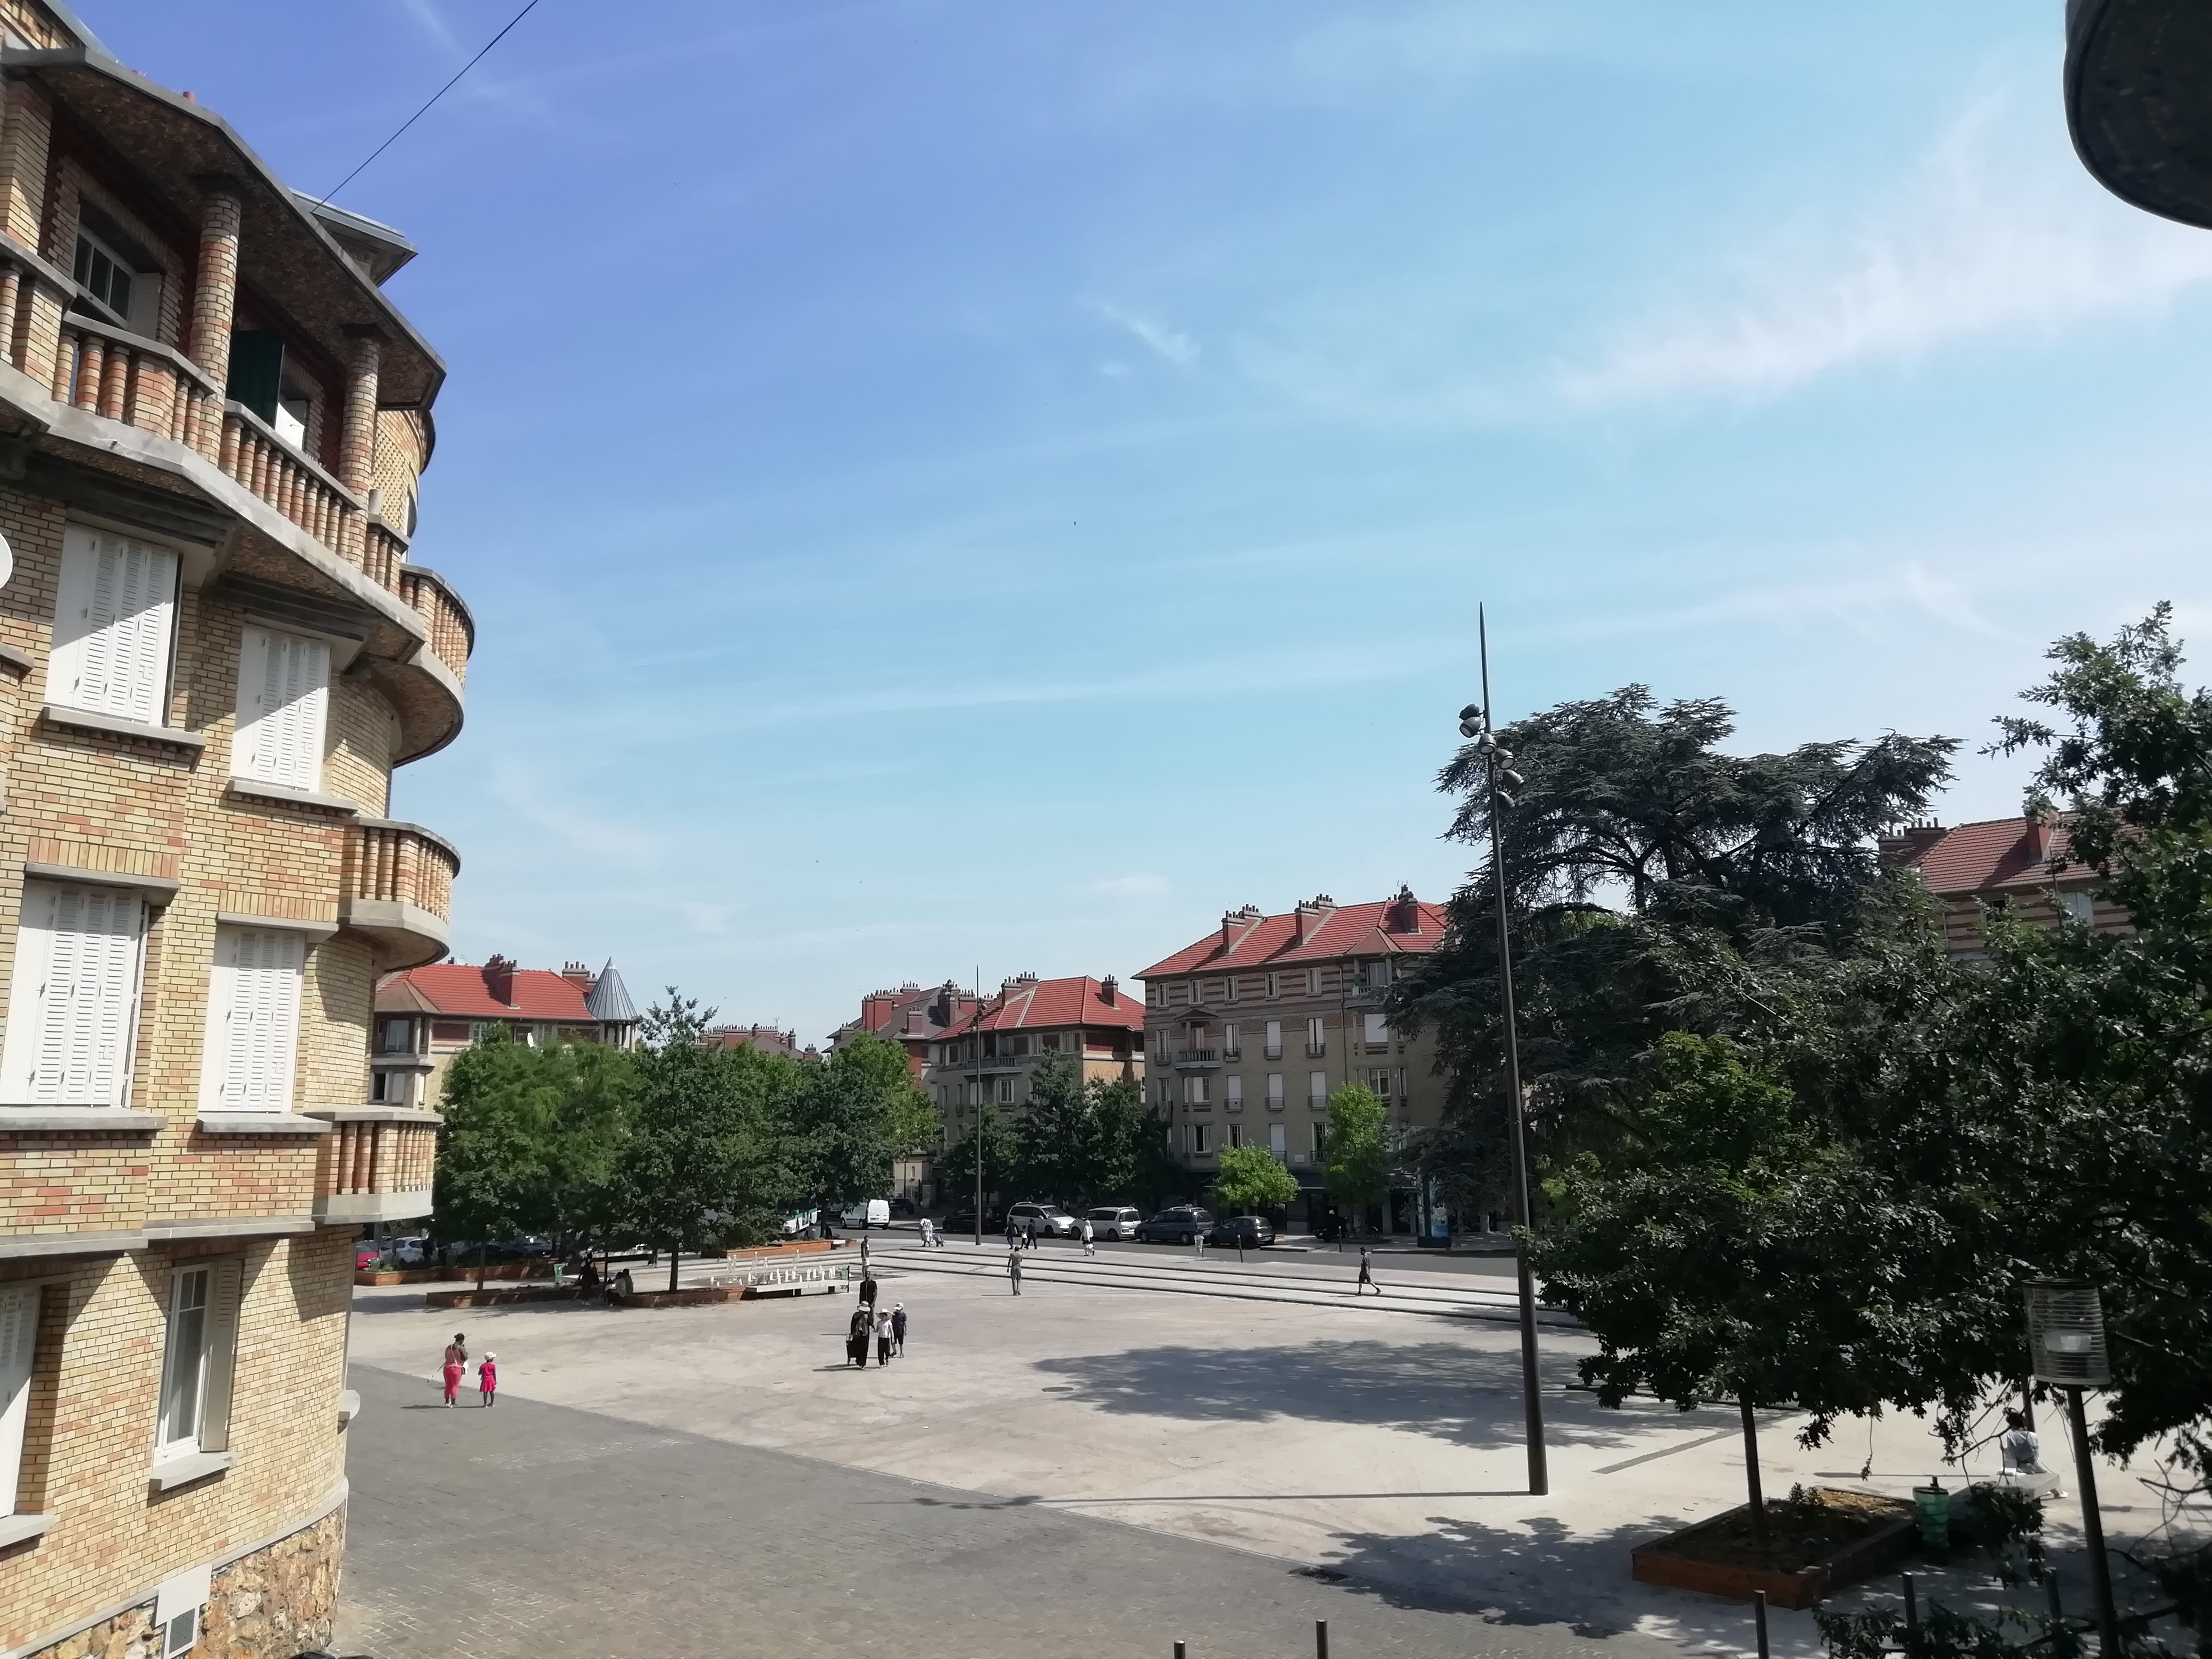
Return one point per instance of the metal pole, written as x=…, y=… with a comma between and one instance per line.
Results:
x=1758, y=1612
x=973, y=1037
x=1321, y=1638
x=2092, y=1530
x=1532, y=1401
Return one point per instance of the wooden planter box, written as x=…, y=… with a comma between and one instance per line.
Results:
x=493, y=1271
x=797, y=1247
x=1676, y=1562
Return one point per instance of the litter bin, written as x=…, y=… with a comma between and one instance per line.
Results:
x=1933, y=1504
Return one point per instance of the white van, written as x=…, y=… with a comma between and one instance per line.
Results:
x=868, y=1212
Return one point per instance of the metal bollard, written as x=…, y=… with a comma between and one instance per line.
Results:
x=1911, y=1607
x=1321, y=1638
x=1179, y=1652
x=1758, y=1613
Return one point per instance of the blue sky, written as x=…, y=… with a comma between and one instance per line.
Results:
x=947, y=484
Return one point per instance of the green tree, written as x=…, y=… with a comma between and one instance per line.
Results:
x=1250, y=1179
x=1053, y=1136
x=693, y=1134
x=1115, y=1137
x=852, y=1114
x=1358, y=1167
x=956, y=1163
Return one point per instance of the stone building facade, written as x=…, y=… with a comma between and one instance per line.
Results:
x=1249, y=1030
x=214, y=651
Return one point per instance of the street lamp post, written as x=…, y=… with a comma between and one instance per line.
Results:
x=1474, y=723
x=975, y=1036
x=2066, y=1347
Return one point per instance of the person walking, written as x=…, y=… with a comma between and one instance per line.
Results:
x=869, y=1290
x=456, y=1366
x=1028, y=1234
x=1013, y=1233
x=1366, y=1273
x=488, y=1379
x=898, y=1328
x=856, y=1339
x=928, y=1227
x=1014, y=1269
x=883, y=1338
x=1090, y=1244
x=863, y=1254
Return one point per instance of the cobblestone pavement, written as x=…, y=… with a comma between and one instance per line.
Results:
x=543, y=1532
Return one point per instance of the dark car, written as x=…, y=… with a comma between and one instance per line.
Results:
x=1178, y=1225
x=994, y=1224
x=1249, y=1232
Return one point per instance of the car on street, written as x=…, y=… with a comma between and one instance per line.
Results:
x=868, y=1212
x=411, y=1251
x=963, y=1221
x=1052, y=1221
x=1176, y=1225
x=905, y=1209
x=1116, y=1221
x=366, y=1256
x=1249, y=1232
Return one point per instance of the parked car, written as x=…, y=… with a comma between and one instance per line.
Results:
x=412, y=1251
x=1113, y=1221
x=868, y=1212
x=1178, y=1225
x=905, y=1209
x=963, y=1221
x=1250, y=1233
x=366, y=1256
x=1051, y=1220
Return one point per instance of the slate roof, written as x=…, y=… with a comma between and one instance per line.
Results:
x=608, y=1002
x=1399, y=927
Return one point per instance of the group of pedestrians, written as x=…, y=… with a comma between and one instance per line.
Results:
x=886, y=1326
x=456, y=1369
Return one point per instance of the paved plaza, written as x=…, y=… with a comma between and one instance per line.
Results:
x=1090, y=1462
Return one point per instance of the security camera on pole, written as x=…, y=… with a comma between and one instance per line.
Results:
x=1475, y=724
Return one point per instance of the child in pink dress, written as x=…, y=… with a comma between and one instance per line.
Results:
x=488, y=1378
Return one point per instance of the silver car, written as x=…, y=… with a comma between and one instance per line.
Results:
x=1115, y=1222
x=1051, y=1221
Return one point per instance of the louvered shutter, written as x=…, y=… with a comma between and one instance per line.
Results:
x=19, y=1334
x=284, y=695
x=253, y=1020
x=224, y=1287
x=114, y=614
x=77, y=991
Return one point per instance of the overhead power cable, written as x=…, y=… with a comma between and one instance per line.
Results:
x=435, y=97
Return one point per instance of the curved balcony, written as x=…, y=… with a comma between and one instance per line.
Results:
x=377, y=1165
x=398, y=890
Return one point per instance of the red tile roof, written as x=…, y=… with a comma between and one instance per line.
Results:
x=456, y=988
x=1996, y=855
x=1030, y=1004
x=1399, y=926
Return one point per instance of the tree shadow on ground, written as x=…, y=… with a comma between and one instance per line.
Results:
x=1468, y=1397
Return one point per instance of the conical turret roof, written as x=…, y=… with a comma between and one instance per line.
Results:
x=608, y=1002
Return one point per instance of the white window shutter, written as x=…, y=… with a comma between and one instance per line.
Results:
x=253, y=1020
x=1378, y=1028
x=75, y=997
x=225, y=1287
x=284, y=698
x=114, y=614
x=19, y=1335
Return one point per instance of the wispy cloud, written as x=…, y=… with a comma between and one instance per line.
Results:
x=1139, y=885
x=426, y=14
x=1997, y=231
x=558, y=807
x=1876, y=604
x=1173, y=345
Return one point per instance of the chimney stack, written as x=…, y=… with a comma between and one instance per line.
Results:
x=1108, y=987
x=1405, y=913
x=1909, y=845
x=1312, y=914
x=580, y=975
x=499, y=980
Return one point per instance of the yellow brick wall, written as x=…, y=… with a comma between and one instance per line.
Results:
x=94, y=1416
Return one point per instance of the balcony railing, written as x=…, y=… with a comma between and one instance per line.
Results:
x=1317, y=1050
x=376, y=1165
x=1191, y=1060
x=1273, y=1051
x=399, y=887
x=452, y=630
x=137, y=381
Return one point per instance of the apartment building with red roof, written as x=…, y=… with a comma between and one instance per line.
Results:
x=2020, y=863
x=912, y=1017
x=768, y=1039
x=988, y=1052
x=1249, y=1029
x=426, y=1015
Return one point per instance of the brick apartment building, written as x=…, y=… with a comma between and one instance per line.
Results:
x=1249, y=1030
x=214, y=651
x=767, y=1039
x=911, y=1017
x=2006, y=861
x=425, y=1016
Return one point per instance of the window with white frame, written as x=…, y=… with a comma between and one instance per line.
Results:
x=1194, y=1090
x=1317, y=1088
x=1232, y=1043
x=1378, y=1079
x=73, y=1007
x=201, y=1342
x=19, y=1335
x=120, y=287
x=1316, y=1034
x=115, y=609
x=1278, y=1139
x=1378, y=1028
x=1274, y=1039
x=1229, y=988
x=1006, y=1092
x=1378, y=973
x=1235, y=1135
x=1232, y=1093
x=1313, y=981
x=284, y=708
x=1320, y=1139
x=253, y=1020
x=1201, y=1139
x=1274, y=1091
